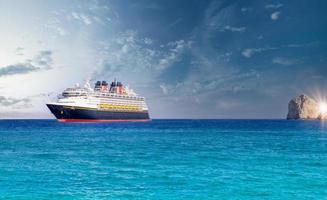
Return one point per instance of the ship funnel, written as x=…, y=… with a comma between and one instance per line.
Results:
x=119, y=88
x=104, y=86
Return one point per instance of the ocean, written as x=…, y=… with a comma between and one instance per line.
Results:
x=163, y=159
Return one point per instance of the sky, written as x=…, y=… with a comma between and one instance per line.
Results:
x=188, y=58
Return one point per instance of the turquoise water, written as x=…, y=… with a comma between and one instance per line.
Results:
x=163, y=159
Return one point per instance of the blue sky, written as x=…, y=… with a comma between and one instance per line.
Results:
x=190, y=59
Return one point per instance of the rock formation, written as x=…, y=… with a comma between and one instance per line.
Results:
x=303, y=107
x=322, y=116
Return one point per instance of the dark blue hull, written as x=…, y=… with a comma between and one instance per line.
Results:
x=63, y=113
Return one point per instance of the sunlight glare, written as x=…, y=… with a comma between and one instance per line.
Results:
x=323, y=107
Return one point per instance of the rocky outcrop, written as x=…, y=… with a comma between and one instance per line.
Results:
x=322, y=116
x=303, y=107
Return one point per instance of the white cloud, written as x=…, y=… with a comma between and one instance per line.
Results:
x=19, y=51
x=55, y=25
x=251, y=51
x=246, y=9
x=86, y=19
x=248, y=52
x=176, y=49
x=42, y=61
x=98, y=20
x=275, y=15
x=233, y=29
x=130, y=54
x=164, y=88
x=302, y=45
x=75, y=15
x=174, y=23
x=274, y=6
x=148, y=41
x=219, y=81
x=225, y=56
x=82, y=17
x=283, y=61
x=60, y=30
x=8, y=101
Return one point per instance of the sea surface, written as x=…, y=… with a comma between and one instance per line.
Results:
x=163, y=159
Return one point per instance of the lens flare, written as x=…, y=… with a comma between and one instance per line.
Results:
x=323, y=107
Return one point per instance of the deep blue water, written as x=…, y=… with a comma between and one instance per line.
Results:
x=163, y=159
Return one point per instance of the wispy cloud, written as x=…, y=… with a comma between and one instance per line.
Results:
x=176, y=49
x=310, y=44
x=275, y=15
x=164, y=88
x=55, y=25
x=148, y=41
x=246, y=9
x=225, y=56
x=149, y=5
x=274, y=6
x=232, y=29
x=283, y=61
x=216, y=16
x=128, y=53
x=82, y=17
x=230, y=82
x=16, y=102
x=19, y=68
x=248, y=53
x=42, y=61
x=19, y=51
x=174, y=23
x=21, y=103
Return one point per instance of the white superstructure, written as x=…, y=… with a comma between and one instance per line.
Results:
x=115, y=98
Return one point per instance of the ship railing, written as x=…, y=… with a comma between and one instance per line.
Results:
x=117, y=96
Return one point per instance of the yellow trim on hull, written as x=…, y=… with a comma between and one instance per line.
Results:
x=116, y=109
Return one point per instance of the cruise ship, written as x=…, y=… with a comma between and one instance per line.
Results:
x=103, y=103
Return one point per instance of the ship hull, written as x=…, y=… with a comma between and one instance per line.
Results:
x=77, y=114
